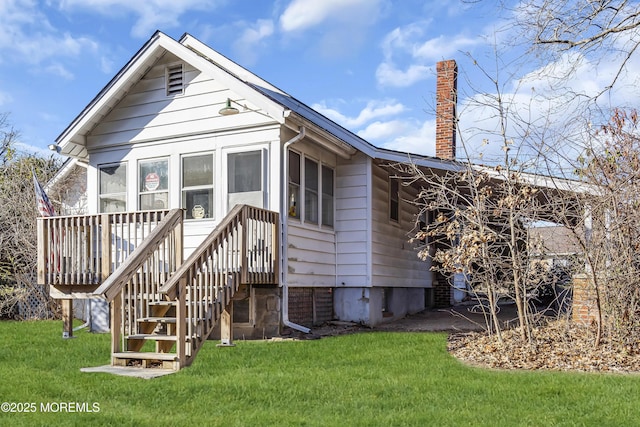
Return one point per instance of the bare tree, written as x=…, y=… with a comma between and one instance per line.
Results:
x=18, y=243
x=612, y=165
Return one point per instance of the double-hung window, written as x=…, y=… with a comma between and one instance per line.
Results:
x=112, y=196
x=197, y=186
x=294, y=184
x=310, y=191
x=327, y=196
x=153, y=189
x=310, y=187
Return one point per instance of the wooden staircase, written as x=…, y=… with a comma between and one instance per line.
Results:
x=161, y=316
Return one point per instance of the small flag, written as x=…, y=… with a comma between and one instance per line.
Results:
x=45, y=208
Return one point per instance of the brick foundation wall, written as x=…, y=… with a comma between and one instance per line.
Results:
x=310, y=306
x=583, y=308
x=441, y=293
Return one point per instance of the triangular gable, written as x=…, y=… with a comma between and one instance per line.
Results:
x=274, y=102
x=72, y=141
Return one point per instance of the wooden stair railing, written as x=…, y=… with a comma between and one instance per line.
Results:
x=133, y=288
x=180, y=314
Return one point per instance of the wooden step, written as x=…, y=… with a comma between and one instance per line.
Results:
x=142, y=355
x=157, y=320
x=153, y=337
x=169, y=303
x=146, y=359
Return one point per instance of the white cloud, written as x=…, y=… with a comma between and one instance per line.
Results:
x=443, y=47
x=59, y=70
x=252, y=40
x=388, y=75
x=301, y=15
x=152, y=14
x=377, y=123
x=340, y=26
x=27, y=36
x=373, y=110
x=5, y=98
x=411, y=136
x=408, y=58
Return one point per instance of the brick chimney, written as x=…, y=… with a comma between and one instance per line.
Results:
x=446, y=97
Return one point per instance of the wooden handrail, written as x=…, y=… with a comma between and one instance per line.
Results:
x=173, y=281
x=112, y=286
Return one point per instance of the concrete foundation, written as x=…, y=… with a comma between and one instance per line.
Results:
x=94, y=311
x=372, y=306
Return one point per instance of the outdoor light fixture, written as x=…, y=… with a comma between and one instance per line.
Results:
x=228, y=110
x=54, y=147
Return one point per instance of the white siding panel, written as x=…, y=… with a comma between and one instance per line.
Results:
x=311, y=256
x=352, y=223
x=394, y=259
x=146, y=113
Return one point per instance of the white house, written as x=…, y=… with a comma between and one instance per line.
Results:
x=182, y=127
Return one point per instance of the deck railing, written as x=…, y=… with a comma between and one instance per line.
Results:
x=86, y=249
x=243, y=249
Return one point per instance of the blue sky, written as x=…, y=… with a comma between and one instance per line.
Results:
x=367, y=64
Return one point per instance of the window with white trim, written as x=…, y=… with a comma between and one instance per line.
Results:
x=294, y=184
x=327, y=196
x=311, y=185
x=310, y=191
x=197, y=186
x=153, y=184
x=112, y=194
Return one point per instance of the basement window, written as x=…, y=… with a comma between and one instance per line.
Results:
x=174, y=78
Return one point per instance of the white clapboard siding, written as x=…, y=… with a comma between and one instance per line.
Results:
x=311, y=256
x=146, y=113
x=352, y=222
x=394, y=259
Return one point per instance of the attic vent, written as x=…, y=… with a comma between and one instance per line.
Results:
x=174, y=79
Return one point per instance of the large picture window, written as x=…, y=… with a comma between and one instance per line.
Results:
x=153, y=181
x=112, y=196
x=197, y=186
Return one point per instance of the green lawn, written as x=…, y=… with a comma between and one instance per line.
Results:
x=368, y=379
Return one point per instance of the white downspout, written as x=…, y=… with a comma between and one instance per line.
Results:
x=284, y=223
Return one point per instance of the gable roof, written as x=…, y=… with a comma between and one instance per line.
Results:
x=72, y=140
x=276, y=103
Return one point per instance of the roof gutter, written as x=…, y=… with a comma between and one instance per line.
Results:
x=284, y=219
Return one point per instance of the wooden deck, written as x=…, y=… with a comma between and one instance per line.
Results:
x=135, y=261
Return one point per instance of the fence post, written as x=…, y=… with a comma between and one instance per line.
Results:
x=67, y=318
x=226, y=325
x=116, y=325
